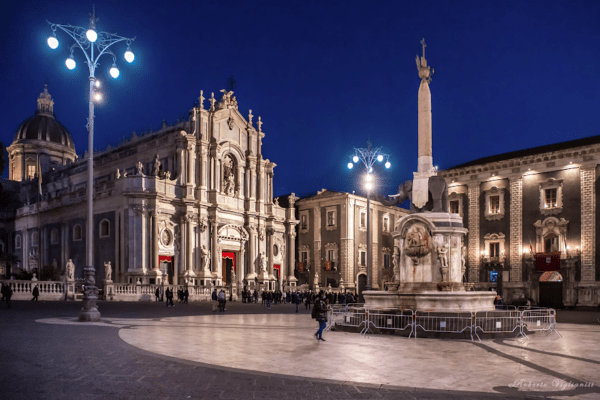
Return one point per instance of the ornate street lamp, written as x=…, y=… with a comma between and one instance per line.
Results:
x=369, y=157
x=93, y=44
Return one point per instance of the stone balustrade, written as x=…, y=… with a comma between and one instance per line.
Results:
x=49, y=290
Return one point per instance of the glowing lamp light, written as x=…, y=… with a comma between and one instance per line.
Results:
x=369, y=177
x=70, y=63
x=369, y=185
x=380, y=158
x=350, y=165
x=114, y=71
x=91, y=35
x=97, y=96
x=355, y=159
x=97, y=84
x=53, y=42
x=388, y=164
x=129, y=57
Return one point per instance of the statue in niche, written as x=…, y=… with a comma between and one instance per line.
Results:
x=205, y=254
x=108, y=271
x=157, y=167
x=228, y=176
x=140, y=168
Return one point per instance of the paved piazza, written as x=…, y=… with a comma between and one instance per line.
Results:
x=283, y=344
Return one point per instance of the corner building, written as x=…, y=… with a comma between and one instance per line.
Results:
x=332, y=241
x=191, y=203
x=532, y=217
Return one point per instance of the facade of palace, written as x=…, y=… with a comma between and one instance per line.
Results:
x=532, y=217
x=191, y=203
x=332, y=241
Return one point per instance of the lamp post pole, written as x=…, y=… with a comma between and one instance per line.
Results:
x=88, y=40
x=369, y=156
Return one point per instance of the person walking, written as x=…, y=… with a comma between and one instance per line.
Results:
x=6, y=293
x=269, y=299
x=222, y=300
x=255, y=295
x=320, y=314
x=36, y=293
x=186, y=295
x=157, y=294
x=169, y=295
x=215, y=299
x=296, y=300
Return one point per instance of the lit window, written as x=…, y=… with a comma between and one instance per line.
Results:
x=550, y=243
x=551, y=198
x=495, y=249
x=331, y=218
x=454, y=207
x=386, y=224
x=494, y=204
x=30, y=171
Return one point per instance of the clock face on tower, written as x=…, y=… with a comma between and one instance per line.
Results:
x=166, y=237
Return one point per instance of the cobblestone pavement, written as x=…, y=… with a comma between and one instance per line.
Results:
x=91, y=361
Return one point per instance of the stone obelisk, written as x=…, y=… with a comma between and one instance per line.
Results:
x=420, y=191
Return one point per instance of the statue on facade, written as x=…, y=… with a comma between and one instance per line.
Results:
x=228, y=176
x=140, y=168
x=70, y=270
x=263, y=262
x=157, y=167
x=463, y=255
x=108, y=271
x=443, y=257
x=205, y=254
x=118, y=174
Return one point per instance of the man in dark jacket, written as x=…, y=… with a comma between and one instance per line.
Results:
x=320, y=312
x=36, y=293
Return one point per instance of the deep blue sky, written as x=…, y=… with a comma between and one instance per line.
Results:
x=325, y=76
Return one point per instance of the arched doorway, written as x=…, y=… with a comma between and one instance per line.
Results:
x=551, y=294
x=228, y=267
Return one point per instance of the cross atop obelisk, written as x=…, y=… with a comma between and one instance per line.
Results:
x=425, y=159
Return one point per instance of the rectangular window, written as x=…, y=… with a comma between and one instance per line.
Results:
x=386, y=261
x=494, y=204
x=386, y=224
x=304, y=221
x=304, y=257
x=363, y=219
x=454, y=207
x=551, y=198
x=31, y=171
x=494, y=250
x=330, y=218
x=363, y=258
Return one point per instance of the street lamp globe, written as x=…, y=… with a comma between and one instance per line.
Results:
x=355, y=159
x=53, y=42
x=388, y=164
x=91, y=35
x=114, y=71
x=350, y=165
x=129, y=56
x=70, y=62
x=380, y=158
x=97, y=97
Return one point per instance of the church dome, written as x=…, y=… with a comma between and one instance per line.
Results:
x=43, y=126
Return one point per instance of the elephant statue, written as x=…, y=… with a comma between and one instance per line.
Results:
x=438, y=191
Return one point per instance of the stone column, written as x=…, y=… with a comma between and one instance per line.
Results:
x=291, y=255
x=154, y=263
x=473, y=240
x=190, y=246
x=251, y=254
x=270, y=253
x=516, y=229
x=183, y=244
x=64, y=251
x=588, y=223
x=214, y=250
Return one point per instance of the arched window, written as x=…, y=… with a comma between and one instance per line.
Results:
x=77, y=232
x=18, y=242
x=104, y=228
x=34, y=239
x=54, y=236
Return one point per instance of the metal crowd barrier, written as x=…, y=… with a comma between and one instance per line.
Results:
x=543, y=320
x=444, y=322
x=393, y=319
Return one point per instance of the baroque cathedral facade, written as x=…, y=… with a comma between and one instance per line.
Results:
x=191, y=203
